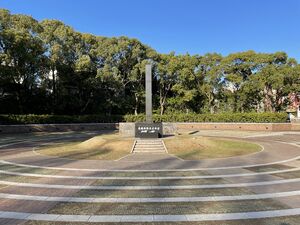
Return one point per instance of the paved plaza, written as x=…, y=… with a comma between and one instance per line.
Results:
x=145, y=187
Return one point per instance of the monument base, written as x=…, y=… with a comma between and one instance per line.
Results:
x=127, y=129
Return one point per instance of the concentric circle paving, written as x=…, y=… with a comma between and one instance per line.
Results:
x=262, y=188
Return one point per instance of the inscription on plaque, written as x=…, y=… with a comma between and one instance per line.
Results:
x=148, y=130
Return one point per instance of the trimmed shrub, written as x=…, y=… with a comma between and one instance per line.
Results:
x=176, y=117
x=58, y=119
x=221, y=117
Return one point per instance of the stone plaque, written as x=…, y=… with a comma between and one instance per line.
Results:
x=148, y=130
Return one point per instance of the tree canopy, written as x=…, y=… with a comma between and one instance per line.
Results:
x=48, y=67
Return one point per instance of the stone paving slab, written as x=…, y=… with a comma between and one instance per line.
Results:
x=12, y=222
x=23, y=205
x=291, y=138
x=127, y=182
x=161, y=187
x=146, y=200
x=132, y=177
x=274, y=188
x=69, y=193
x=9, y=168
x=38, y=191
x=72, y=218
x=14, y=215
x=42, y=217
x=295, y=163
x=154, y=218
x=292, y=202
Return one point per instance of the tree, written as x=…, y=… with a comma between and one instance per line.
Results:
x=62, y=46
x=48, y=67
x=210, y=79
x=22, y=58
x=187, y=94
x=237, y=69
x=124, y=62
x=167, y=74
x=275, y=83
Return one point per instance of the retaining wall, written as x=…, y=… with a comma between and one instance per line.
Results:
x=127, y=129
x=236, y=126
x=295, y=127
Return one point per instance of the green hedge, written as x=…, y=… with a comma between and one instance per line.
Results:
x=222, y=117
x=48, y=119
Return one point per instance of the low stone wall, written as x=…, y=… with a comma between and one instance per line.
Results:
x=235, y=126
x=58, y=127
x=127, y=129
x=295, y=127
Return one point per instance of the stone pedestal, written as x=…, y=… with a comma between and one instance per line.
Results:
x=169, y=128
x=127, y=129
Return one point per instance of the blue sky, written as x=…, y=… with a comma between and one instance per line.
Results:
x=194, y=26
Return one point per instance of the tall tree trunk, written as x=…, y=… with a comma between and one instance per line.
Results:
x=163, y=92
x=268, y=102
x=161, y=101
x=162, y=109
x=235, y=104
x=210, y=103
x=53, y=90
x=136, y=104
x=20, y=99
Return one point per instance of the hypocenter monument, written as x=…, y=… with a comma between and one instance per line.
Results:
x=148, y=129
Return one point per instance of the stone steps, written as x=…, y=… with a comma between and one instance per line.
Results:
x=149, y=146
x=148, y=149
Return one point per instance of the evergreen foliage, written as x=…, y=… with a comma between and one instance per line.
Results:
x=47, y=67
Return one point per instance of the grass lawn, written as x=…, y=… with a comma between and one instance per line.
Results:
x=197, y=147
x=103, y=147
